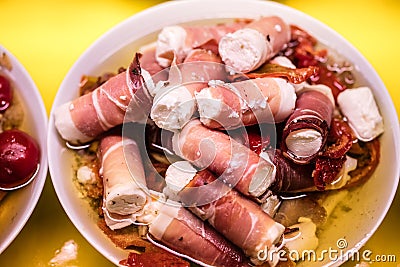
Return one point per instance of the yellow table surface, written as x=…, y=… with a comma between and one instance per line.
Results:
x=49, y=36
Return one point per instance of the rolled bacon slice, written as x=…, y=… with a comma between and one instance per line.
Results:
x=235, y=164
x=294, y=178
x=180, y=230
x=291, y=177
x=306, y=131
x=123, y=174
x=248, y=48
x=237, y=218
x=249, y=102
x=174, y=104
x=86, y=117
x=148, y=61
x=180, y=40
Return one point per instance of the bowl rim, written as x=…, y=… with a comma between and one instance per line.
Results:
x=20, y=72
x=109, y=41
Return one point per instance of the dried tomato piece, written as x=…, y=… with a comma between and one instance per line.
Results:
x=330, y=162
x=341, y=138
x=154, y=259
x=326, y=170
x=295, y=76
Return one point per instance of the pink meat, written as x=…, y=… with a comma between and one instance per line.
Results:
x=276, y=31
x=85, y=115
x=148, y=61
x=247, y=49
x=204, y=37
x=199, y=67
x=111, y=103
x=249, y=102
x=237, y=218
x=234, y=163
x=207, y=37
x=188, y=235
x=122, y=172
x=313, y=110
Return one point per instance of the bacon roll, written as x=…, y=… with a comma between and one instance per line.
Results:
x=86, y=117
x=306, y=131
x=235, y=164
x=249, y=102
x=183, y=232
x=174, y=104
x=214, y=202
x=248, y=48
x=123, y=174
x=177, y=41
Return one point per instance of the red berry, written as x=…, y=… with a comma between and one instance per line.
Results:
x=19, y=158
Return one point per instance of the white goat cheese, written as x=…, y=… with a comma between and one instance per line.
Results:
x=304, y=142
x=172, y=39
x=244, y=50
x=173, y=108
x=359, y=107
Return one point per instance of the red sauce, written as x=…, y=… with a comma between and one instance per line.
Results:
x=303, y=53
x=256, y=143
x=154, y=259
x=329, y=79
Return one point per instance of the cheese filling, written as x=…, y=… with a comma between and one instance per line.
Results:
x=178, y=175
x=173, y=108
x=244, y=50
x=304, y=142
x=171, y=40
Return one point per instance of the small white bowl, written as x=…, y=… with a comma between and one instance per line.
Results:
x=369, y=203
x=18, y=205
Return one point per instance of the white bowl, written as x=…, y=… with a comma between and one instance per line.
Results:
x=18, y=205
x=369, y=203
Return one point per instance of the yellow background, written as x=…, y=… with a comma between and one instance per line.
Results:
x=49, y=36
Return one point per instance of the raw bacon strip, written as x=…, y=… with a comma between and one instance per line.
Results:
x=84, y=118
x=248, y=48
x=180, y=40
x=258, y=231
x=249, y=102
x=123, y=175
x=306, y=130
x=184, y=233
x=200, y=67
x=235, y=164
x=174, y=104
x=291, y=177
x=148, y=61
